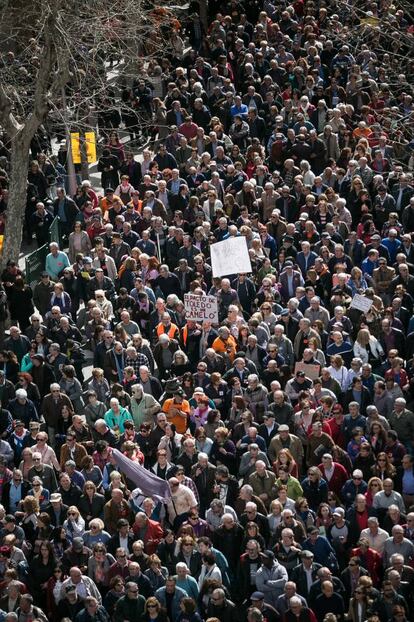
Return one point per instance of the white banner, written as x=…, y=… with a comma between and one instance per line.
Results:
x=230, y=256
x=362, y=303
x=200, y=308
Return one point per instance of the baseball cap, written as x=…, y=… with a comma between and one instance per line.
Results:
x=339, y=512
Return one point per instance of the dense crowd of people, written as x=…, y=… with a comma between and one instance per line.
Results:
x=281, y=437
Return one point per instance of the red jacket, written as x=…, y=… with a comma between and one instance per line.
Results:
x=151, y=536
x=371, y=561
x=338, y=478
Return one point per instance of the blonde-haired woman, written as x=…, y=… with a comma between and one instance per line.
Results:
x=339, y=372
x=274, y=518
x=104, y=305
x=368, y=348
x=26, y=463
x=357, y=281
x=96, y=533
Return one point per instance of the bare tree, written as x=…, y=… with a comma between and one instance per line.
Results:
x=54, y=46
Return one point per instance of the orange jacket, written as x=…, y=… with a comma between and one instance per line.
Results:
x=179, y=421
x=229, y=346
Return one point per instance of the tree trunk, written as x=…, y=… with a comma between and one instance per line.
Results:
x=17, y=200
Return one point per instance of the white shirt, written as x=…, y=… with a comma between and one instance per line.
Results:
x=375, y=542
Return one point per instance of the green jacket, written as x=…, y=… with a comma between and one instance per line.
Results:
x=294, y=489
x=112, y=420
x=403, y=425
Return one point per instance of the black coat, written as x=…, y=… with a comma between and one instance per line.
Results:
x=94, y=509
x=264, y=433
x=114, y=543
x=229, y=543
x=71, y=210
x=133, y=171
x=195, y=563
x=346, y=580
x=62, y=517
x=299, y=577
x=232, y=492
x=354, y=530
x=365, y=401
x=398, y=337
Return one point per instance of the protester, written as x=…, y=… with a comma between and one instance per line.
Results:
x=224, y=459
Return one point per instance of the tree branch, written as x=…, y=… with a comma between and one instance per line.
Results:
x=7, y=119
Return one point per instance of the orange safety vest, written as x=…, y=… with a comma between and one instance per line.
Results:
x=171, y=331
x=185, y=334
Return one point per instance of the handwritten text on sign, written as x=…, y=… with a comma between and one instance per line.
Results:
x=230, y=256
x=362, y=303
x=200, y=308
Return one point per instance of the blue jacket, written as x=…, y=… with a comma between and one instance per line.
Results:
x=270, y=243
x=350, y=491
x=315, y=494
x=349, y=424
x=300, y=261
x=322, y=550
x=177, y=598
x=369, y=266
x=392, y=246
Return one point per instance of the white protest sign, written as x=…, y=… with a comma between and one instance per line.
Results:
x=230, y=256
x=361, y=303
x=200, y=308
